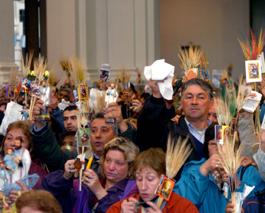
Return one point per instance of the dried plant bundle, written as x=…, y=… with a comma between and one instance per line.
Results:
x=224, y=116
x=66, y=64
x=230, y=154
x=78, y=71
x=176, y=155
x=100, y=102
x=39, y=68
x=123, y=77
x=243, y=92
x=26, y=64
x=252, y=48
x=190, y=58
x=53, y=78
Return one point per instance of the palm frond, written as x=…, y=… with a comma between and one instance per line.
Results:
x=252, y=48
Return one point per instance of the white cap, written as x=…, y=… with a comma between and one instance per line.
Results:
x=161, y=71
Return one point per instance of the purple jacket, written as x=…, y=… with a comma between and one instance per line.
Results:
x=74, y=201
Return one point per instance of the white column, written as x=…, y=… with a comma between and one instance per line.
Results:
x=61, y=31
x=121, y=33
x=6, y=39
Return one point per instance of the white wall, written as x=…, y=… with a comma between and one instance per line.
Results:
x=118, y=32
x=61, y=31
x=213, y=24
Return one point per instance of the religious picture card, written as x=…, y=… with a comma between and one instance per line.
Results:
x=82, y=91
x=253, y=71
x=165, y=187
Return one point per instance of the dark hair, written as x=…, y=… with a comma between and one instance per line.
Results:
x=39, y=200
x=209, y=135
x=98, y=115
x=153, y=158
x=71, y=108
x=201, y=83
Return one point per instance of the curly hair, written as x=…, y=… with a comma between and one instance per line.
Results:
x=38, y=200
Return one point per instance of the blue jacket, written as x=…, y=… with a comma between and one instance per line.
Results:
x=203, y=191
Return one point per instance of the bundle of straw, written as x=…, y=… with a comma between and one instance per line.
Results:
x=243, y=92
x=224, y=116
x=123, y=77
x=39, y=68
x=26, y=64
x=176, y=155
x=190, y=58
x=230, y=154
x=253, y=48
x=78, y=71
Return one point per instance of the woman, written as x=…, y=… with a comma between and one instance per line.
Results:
x=96, y=195
x=18, y=140
x=149, y=166
x=15, y=154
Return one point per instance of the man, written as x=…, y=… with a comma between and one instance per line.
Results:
x=46, y=145
x=157, y=109
x=196, y=101
x=49, y=151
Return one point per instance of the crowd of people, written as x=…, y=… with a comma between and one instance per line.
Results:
x=123, y=166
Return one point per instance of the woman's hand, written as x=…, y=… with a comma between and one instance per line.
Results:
x=129, y=205
x=213, y=163
x=91, y=180
x=69, y=169
x=153, y=208
x=14, y=195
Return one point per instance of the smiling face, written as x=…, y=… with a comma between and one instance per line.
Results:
x=115, y=166
x=13, y=137
x=195, y=103
x=147, y=181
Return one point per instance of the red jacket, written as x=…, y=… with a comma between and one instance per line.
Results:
x=176, y=204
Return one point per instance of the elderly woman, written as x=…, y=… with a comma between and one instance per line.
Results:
x=16, y=160
x=149, y=166
x=96, y=194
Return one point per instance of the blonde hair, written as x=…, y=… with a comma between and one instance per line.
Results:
x=128, y=148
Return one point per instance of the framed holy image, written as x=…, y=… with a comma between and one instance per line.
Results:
x=82, y=91
x=165, y=187
x=253, y=71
